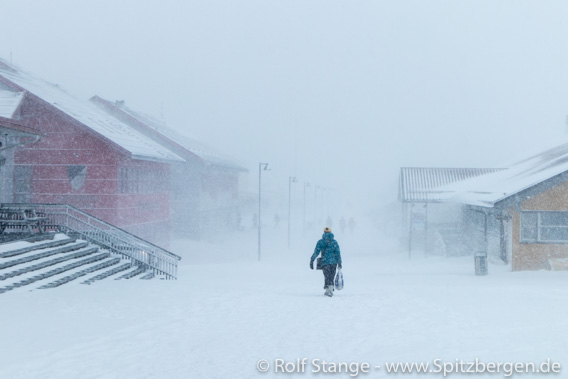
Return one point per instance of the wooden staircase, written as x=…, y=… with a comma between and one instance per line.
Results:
x=59, y=260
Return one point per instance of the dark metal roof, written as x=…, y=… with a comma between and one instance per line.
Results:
x=420, y=184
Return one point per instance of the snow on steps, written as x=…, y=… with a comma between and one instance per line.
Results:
x=49, y=264
x=32, y=247
x=68, y=278
x=108, y=273
x=132, y=274
x=57, y=270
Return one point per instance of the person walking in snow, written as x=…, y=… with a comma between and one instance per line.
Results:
x=351, y=225
x=331, y=259
x=342, y=225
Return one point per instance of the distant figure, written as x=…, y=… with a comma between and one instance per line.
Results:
x=330, y=259
x=342, y=225
x=255, y=220
x=238, y=221
x=351, y=225
x=329, y=221
x=276, y=221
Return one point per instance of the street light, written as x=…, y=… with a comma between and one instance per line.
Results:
x=291, y=179
x=323, y=201
x=261, y=167
x=304, y=227
x=328, y=209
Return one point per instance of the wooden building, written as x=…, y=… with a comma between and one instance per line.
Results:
x=518, y=214
x=88, y=159
x=204, y=188
x=431, y=225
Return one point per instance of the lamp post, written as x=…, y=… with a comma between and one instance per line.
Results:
x=323, y=193
x=291, y=179
x=304, y=227
x=329, y=202
x=261, y=167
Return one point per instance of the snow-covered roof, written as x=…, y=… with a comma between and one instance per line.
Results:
x=138, y=145
x=426, y=184
x=206, y=153
x=203, y=151
x=9, y=102
x=487, y=190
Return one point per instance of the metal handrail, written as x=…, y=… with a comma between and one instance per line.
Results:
x=70, y=219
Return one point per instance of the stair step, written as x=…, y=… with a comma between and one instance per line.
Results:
x=108, y=273
x=132, y=273
x=56, y=271
x=25, y=237
x=64, y=249
x=148, y=276
x=36, y=246
x=67, y=279
x=39, y=266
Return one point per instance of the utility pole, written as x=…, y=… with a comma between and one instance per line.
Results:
x=261, y=166
x=291, y=179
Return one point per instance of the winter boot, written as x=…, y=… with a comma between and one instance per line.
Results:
x=329, y=291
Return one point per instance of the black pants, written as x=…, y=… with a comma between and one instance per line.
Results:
x=329, y=274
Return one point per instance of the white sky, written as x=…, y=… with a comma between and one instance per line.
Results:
x=339, y=93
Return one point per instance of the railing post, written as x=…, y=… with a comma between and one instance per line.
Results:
x=98, y=231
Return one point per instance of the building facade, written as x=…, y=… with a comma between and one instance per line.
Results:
x=517, y=215
x=204, y=188
x=89, y=160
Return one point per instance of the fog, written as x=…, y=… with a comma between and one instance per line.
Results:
x=338, y=94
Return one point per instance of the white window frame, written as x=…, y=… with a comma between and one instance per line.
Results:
x=539, y=226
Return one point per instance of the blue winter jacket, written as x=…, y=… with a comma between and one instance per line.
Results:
x=331, y=255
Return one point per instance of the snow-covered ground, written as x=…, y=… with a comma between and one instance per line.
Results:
x=227, y=311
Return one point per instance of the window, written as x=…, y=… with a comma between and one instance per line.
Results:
x=140, y=180
x=77, y=176
x=123, y=180
x=544, y=227
x=22, y=184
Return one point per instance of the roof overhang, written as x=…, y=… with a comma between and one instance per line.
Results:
x=192, y=151
x=15, y=134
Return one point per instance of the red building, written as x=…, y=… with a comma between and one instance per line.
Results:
x=88, y=159
x=204, y=188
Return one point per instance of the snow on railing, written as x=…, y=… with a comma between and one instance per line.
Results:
x=72, y=220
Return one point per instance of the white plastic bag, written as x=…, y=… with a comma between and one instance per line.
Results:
x=339, y=280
